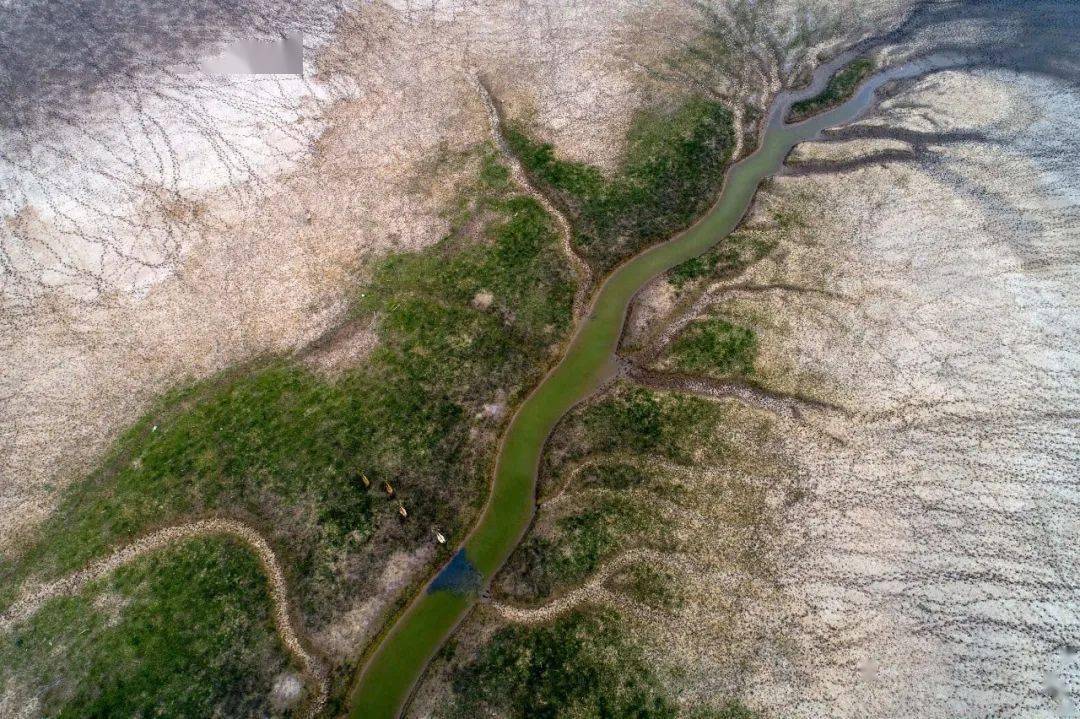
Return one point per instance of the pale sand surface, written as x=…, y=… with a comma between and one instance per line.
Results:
x=932, y=571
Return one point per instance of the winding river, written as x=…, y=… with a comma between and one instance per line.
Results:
x=393, y=670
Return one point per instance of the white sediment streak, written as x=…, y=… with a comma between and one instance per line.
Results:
x=33, y=597
x=578, y=264
x=592, y=592
x=681, y=318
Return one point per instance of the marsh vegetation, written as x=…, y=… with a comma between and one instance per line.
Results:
x=673, y=166
x=186, y=631
x=468, y=323
x=582, y=665
x=840, y=87
x=716, y=347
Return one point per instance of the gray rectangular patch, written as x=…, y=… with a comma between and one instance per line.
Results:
x=259, y=57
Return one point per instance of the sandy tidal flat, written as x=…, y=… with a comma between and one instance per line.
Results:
x=933, y=570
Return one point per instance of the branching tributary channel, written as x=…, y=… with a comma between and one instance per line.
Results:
x=396, y=665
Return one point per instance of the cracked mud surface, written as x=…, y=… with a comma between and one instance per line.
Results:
x=912, y=554
x=933, y=568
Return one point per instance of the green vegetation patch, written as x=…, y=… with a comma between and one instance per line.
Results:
x=457, y=314
x=654, y=587
x=633, y=420
x=732, y=709
x=582, y=666
x=840, y=87
x=595, y=533
x=736, y=252
x=716, y=347
x=642, y=421
x=582, y=541
x=184, y=632
x=672, y=172
x=277, y=443
x=459, y=323
x=614, y=475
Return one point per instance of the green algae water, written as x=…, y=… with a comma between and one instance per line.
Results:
x=388, y=678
